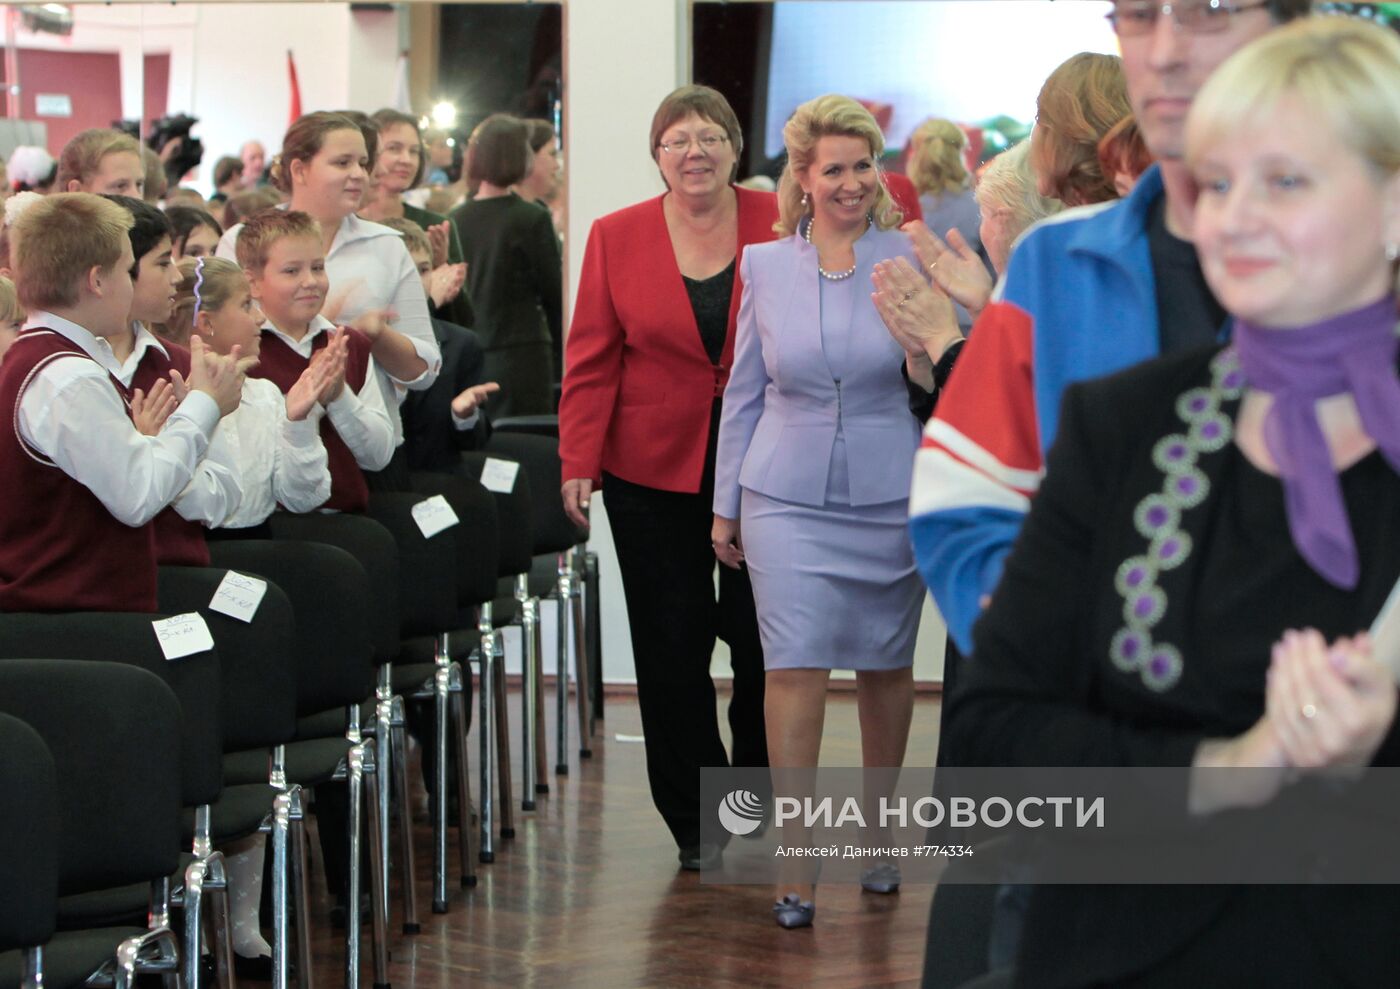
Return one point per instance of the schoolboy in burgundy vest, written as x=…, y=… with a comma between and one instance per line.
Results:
x=282, y=365
x=60, y=548
x=179, y=542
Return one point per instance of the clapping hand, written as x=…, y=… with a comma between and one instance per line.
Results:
x=218, y=376
x=446, y=281
x=919, y=316
x=953, y=265
x=439, y=236
x=149, y=411
x=335, y=354
x=302, y=397
x=373, y=322
x=1331, y=706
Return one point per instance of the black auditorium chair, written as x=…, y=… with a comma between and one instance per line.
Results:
x=29, y=839
x=331, y=593
x=528, y=440
x=431, y=669
x=114, y=732
x=514, y=604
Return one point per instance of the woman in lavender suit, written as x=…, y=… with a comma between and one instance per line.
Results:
x=815, y=451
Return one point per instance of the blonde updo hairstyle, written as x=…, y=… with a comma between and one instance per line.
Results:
x=1343, y=71
x=217, y=279
x=303, y=140
x=936, y=165
x=1080, y=102
x=828, y=116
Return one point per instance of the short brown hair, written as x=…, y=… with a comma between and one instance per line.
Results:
x=1079, y=103
x=157, y=183
x=386, y=118
x=262, y=230
x=57, y=241
x=415, y=238
x=242, y=205
x=304, y=139
x=226, y=169
x=541, y=132
x=499, y=151
x=704, y=102
x=82, y=156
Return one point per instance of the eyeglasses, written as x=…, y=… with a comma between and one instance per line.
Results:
x=707, y=143
x=1139, y=17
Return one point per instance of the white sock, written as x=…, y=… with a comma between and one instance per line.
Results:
x=244, y=861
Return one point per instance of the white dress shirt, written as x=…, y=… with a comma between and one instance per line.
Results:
x=213, y=494
x=279, y=461
x=362, y=419
x=369, y=268
x=71, y=413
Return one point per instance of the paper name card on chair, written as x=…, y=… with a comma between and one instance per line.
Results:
x=433, y=515
x=183, y=635
x=499, y=475
x=238, y=596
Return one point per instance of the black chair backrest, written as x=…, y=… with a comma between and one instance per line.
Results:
x=477, y=533
x=374, y=547
x=28, y=837
x=257, y=660
x=330, y=593
x=128, y=640
x=114, y=732
x=514, y=514
x=539, y=458
x=427, y=567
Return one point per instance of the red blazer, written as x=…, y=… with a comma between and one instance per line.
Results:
x=638, y=385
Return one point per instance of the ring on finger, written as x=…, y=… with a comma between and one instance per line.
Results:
x=1309, y=710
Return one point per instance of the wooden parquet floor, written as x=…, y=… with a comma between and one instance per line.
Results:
x=588, y=894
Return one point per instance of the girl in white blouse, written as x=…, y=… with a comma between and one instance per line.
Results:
x=275, y=439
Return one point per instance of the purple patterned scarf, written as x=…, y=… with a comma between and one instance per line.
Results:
x=1354, y=352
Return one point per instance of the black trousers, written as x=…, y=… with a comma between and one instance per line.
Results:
x=668, y=568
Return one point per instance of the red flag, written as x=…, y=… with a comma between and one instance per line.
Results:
x=296, y=88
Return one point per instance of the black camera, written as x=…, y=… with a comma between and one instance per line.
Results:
x=190, y=152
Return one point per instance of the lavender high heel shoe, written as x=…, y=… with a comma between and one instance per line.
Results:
x=881, y=878
x=790, y=912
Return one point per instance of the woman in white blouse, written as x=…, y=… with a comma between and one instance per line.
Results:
x=275, y=439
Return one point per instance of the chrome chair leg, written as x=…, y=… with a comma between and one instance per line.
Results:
x=487, y=735
x=503, y=772
x=528, y=693
x=217, y=885
x=563, y=590
x=399, y=780
x=31, y=975
x=194, y=916
x=134, y=957
x=379, y=906
x=301, y=896
x=465, y=828
x=354, y=783
x=442, y=668
x=281, y=824
x=583, y=682
x=383, y=764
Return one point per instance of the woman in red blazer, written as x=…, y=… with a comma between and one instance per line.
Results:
x=646, y=361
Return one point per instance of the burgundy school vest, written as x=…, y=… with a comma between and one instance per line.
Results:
x=282, y=365
x=60, y=549
x=179, y=542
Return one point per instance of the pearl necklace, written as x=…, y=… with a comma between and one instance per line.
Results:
x=835, y=276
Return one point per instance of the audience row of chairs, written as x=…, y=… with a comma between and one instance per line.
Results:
x=125, y=772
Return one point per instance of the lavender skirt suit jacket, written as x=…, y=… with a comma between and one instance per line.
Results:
x=815, y=455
